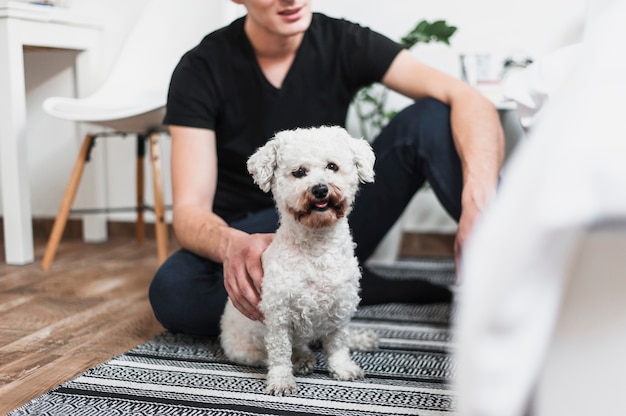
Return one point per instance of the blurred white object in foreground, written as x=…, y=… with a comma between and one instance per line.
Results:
x=541, y=321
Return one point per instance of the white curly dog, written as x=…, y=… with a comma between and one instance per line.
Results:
x=311, y=276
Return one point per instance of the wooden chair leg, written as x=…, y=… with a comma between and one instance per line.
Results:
x=159, y=205
x=66, y=204
x=140, y=225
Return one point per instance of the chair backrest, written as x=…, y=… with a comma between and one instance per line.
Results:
x=166, y=29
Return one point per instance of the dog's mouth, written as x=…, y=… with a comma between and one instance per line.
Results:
x=315, y=212
x=321, y=205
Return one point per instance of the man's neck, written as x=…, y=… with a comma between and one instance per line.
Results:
x=274, y=53
x=272, y=46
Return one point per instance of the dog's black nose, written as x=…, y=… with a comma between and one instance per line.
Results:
x=320, y=191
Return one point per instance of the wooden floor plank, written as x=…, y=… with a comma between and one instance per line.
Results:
x=92, y=344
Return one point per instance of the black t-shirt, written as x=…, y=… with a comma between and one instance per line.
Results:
x=219, y=85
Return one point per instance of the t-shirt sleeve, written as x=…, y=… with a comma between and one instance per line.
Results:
x=368, y=54
x=192, y=96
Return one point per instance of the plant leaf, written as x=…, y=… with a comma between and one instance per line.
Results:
x=425, y=32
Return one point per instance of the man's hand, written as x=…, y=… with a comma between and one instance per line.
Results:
x=466, y=223
x=243, y=272
x=474, y=200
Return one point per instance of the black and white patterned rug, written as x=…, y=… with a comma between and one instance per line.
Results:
x=181, y=375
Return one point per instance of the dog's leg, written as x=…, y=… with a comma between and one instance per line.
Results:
x=340, y=365
x=241, y=338
x=303, y=359
x=280, y=380
x=362, y=340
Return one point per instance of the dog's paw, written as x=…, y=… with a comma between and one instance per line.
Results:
x=362, y=340
x=281, y=389
x=304, y=363
x=347, y=370
x=280, y=382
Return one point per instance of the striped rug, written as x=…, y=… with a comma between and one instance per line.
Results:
x=182, y=375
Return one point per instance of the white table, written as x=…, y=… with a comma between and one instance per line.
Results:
x=26, y=25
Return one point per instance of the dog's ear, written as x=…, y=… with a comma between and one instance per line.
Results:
x=363, y=159
x=262, y=164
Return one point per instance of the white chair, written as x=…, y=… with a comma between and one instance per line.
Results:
x=132, y=100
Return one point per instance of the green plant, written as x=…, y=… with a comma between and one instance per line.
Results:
x=370, y=103
x=425, y=32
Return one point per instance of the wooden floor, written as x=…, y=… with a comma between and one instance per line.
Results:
x=88, y=308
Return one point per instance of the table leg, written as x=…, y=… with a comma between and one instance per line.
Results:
x=15, y=186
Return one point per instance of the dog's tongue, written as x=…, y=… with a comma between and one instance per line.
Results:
x=321, y=204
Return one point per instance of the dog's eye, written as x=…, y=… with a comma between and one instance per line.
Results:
x=332, y=166
x=299, y=173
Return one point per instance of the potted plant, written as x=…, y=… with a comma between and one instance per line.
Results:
x=370, y=103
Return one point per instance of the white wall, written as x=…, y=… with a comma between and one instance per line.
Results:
x=533, y=26
x=53, y=144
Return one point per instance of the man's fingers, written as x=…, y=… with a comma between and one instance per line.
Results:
x=243, y=305
x=255, y=271
x=243, y=274
x=253, y=263
x=243, y=295
x=247, y=309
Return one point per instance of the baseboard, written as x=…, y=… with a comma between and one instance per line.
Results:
x=422, y=245
x=42, y=227
x=412, y=245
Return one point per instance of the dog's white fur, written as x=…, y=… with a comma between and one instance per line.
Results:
x=311, y=276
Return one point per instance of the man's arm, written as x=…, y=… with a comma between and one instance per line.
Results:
x=200, y=230
x=476, y=128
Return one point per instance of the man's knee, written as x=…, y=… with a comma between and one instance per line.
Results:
x=429, y=108
x=427, y=120
x=427, y=134
x=187, y=294
x=162, y=296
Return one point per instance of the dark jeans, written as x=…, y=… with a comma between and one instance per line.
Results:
x=188, y=294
